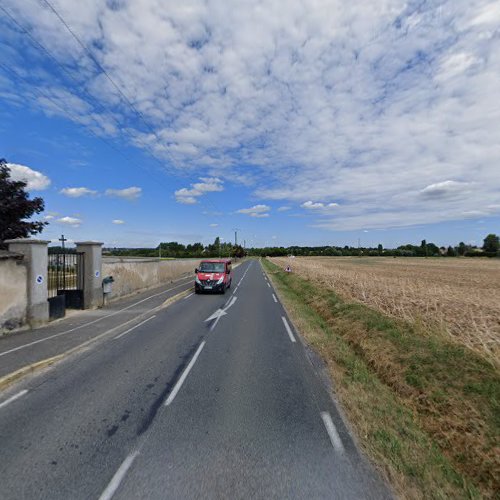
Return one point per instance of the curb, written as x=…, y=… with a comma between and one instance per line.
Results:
x=15, y=376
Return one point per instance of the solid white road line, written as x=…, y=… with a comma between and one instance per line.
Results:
x=13, y=398
x=118, y=477
x=288, y=329
x=187, y=296
x=274, y=298
x=89, y=323
x=332, y=431
x=177, y=386
x=134, y=327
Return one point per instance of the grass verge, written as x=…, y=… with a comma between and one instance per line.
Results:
x=426, y=411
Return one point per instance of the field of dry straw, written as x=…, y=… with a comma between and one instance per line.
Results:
x=457, y=297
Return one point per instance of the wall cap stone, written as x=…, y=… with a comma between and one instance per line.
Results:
x=29, y=241
x=88, y=243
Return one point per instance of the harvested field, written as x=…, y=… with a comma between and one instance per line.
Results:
x=457, y=297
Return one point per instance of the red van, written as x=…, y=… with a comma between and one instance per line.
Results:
x=213, y=276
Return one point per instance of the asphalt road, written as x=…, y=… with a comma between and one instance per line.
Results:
x=176, y=406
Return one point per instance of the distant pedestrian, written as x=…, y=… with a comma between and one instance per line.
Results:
x=288, y=269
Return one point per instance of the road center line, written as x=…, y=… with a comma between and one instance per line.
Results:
x=274, y=298
x=87, y=324
x=134, y=327
x=332, y=431
x=288, y=329
x=114, y=484
x=13, y=398
x=179, y=383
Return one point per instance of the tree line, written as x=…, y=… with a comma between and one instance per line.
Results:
x=17, y=209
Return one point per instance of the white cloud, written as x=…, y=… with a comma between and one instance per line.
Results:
x=48, y=217
x=70, y=221
x=284, y=208
x=256, y=209
x=258, y=215
x=445, y=189
x=310, y=205
x=118, y=221
x=214, y=225
x=77, y=192
x=36, y=181
x=365, y=103
x=131, y=193
x=188, y=196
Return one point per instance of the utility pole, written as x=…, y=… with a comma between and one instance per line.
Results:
x=236, y=236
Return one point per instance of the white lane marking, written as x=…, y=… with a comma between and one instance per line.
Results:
x=288, y=329
x=177, y=387
x=332, y=431
x=13, y=398
x=274, y=298
x=269, y=285
x=114, y=484
x=134, y=327
x=89, y=323
x=217, y=315
x=190, y=295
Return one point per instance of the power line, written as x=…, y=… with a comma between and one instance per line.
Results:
x=68, y=114
x=98, y=64
x=93, y=102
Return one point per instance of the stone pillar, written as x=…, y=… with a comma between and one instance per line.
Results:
x=92, y=288
x=36, y=257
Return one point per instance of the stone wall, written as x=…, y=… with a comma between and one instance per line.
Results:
x=134, y=275
x=13, y=291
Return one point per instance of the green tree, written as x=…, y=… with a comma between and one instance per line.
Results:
x=16, y=207
x=462, y=248
x=451, y=252
x=491, y=243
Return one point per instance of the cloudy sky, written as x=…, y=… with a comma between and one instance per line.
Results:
x=297, y=122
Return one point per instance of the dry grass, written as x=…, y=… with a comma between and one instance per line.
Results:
x=425, y=408
x=458, y=297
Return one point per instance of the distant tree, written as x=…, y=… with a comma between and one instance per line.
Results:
x=380, y=249
x=238, y=251
x=16, y=207
x=491, y=243
x=451, y=252
x=462, y=248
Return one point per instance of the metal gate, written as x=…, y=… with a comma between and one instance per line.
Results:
x=65, y=282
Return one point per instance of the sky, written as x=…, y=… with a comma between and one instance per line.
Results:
x=318, y=122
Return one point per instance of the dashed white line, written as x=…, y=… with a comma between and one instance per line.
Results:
x=114, y=484
x=13, y=398
x=274, y=298
x=332, y=431
x=269, y=285
x=90, y=322
x=288, y=329
x=179, y=383
x=134, y=327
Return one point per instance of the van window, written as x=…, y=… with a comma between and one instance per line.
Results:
x=212, y=267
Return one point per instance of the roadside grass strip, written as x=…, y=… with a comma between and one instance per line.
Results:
x=425, y=410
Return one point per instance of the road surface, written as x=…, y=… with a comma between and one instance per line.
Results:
x=212, y=397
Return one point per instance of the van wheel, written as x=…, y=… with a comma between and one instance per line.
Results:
x=223, y=291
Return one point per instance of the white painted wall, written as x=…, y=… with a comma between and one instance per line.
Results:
x=13, y=292
x=134, y=275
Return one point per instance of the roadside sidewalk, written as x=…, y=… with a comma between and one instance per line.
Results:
x=25, y=351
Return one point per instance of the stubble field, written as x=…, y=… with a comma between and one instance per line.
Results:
x=458, y=298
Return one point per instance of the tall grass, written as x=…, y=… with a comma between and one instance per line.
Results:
x=459, y=298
